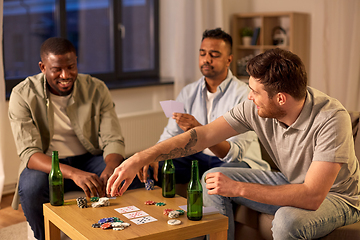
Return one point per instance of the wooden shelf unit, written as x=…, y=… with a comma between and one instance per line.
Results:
x=295, y=24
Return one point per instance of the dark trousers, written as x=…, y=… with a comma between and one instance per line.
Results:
x=205, y=162
x=34, y=188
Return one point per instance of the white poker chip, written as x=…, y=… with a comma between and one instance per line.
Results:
x=174, y=222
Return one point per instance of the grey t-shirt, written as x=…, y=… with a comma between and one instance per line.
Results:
x=322, y=132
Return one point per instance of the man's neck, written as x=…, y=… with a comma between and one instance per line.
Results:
x=293, y=112
x=213, y=83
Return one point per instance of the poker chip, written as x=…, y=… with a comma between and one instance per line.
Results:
x=119, y=225
x=96, y=225
x=173, y=214
x=181, y=212
x=174, y=222
x=125, y=224
x=150, y=202
x=116, y=219
x=106, y=225
x=149, y=185
x=116, y=224
x=106, y=220
x=110, y=220
x=118, y=228
x=94, y=199
x=96, y=205
x=81, y=202
x=104, y=201
x=167, y=210
x=160, y=204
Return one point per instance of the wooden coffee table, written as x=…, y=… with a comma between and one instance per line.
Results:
x=76, y=222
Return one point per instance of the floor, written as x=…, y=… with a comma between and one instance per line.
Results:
x=9, y=216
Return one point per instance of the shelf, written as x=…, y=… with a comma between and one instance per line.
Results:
x=295, y=25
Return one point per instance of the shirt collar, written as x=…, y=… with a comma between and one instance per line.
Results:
x=223, y=85
x=303, y=120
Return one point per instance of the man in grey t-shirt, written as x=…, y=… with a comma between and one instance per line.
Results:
x=307, y=134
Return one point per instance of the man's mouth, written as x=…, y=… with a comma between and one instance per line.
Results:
x=206, y=67
x=65, y=84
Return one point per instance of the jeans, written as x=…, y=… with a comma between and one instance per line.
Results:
x=34, y=188
x=205, y=162
x=289, y=222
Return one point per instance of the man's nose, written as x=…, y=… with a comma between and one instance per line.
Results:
x=207, y=58
x=64, y=74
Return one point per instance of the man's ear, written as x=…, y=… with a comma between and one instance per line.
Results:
x=230, y=58
x=281, y=98
x=42, y=66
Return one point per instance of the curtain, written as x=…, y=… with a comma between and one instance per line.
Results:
x=338, y=49
x=2, y=106
x=181, y=26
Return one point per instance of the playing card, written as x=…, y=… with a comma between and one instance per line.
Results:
x=127, y=209
x=143, y=220
x=135, y=214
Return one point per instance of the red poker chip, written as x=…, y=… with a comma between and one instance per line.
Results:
x=106, y=225
x=150, y=202
x=167, y=210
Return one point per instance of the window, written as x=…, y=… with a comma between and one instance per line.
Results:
x=116, y=40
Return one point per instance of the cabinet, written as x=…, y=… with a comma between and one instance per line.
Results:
x=296, y=26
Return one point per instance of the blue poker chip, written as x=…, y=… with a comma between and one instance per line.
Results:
x=149, y=185
x=105, y=220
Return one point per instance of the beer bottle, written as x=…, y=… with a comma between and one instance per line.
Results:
x=56, y=182
x=168, y=183
x=194, y=194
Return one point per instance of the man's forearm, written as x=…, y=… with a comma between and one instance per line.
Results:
x=221, y=149
x=177, y=152
x=295, y=195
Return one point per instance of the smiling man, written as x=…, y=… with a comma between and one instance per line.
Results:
x=61, y=110
x=308, y=136
x=215, y=93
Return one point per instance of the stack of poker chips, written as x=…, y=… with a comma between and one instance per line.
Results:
x=104, y=201
x=149, y=185
x=81, y=202
x=173, y=214
x=111, y=222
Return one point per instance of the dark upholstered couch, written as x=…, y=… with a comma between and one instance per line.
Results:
x=250, y=224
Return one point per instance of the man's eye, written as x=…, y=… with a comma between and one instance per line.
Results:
x=215, y=55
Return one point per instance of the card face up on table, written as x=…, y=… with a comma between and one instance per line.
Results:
x=171, y=106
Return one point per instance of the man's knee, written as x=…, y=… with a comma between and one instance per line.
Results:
x=287, y=224
x=33, y=184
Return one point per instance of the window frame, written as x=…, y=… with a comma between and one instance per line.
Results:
x=118, y=78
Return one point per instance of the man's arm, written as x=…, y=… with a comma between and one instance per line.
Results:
x=89, y=182
x=181, y=145
x=187, y=122
x=308, y=195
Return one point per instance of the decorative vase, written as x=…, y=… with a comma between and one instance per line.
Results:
x=246, y=41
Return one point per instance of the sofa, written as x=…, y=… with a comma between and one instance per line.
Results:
x=250, y=224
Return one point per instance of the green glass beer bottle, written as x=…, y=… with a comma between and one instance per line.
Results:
x=168, y=183
x=194, y=194
x=56, y=182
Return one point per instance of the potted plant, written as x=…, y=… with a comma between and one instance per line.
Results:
x=246, y=34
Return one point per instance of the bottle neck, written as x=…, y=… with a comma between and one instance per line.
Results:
x=194, y=171
x=55, y=160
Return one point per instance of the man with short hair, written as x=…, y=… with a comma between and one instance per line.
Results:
x=61, y=110
x=215, y=93
x=307, y=134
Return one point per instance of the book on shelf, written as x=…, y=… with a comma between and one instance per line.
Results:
x=255, y=36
